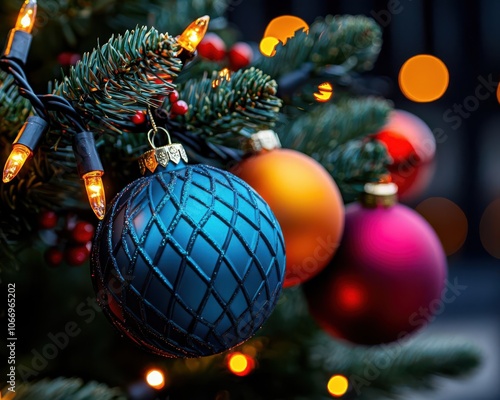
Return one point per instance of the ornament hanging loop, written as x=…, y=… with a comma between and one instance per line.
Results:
x=152, y=133
x=160, y=156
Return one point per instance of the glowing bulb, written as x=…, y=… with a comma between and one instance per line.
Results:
x=27, y=15
x=224, y=75
x=193, y=34
x=155, y=379
x=95, y=192
x=20, y=153
x=240, y=364
x=325, y=92
x=338, y=385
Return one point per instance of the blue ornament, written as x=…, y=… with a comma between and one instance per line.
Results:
x=188, y=261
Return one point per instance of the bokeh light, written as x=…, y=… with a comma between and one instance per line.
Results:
x=338, y=385
x=268, y=45
x=155, y=378
x=240, y=364
x=280, y=29
x=284, y=27
x=448, y=220
x=423, y=78
x=489, y=229
x=325, y=92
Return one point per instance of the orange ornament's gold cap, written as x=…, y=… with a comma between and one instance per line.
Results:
x=262, y=140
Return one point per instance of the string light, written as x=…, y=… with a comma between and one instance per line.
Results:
x=240, y=364
x=19, y=40
x=26, y=141
x=193, y=34
x=325, y=92
x=90, y=170
x=95, y=192
x=338, y=385
x=27, y=16
x=224, y=75
x=156, y=379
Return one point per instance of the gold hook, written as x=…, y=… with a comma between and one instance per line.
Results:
x=152, y=132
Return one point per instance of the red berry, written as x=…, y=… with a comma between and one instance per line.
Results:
x=174, y=96
x=180, y=107
x=240, y=55
x=212, y=47
x=53, y=256
x=67, y=58
x=82, y=232
x=76, y=256
x=47, y=220
x=139, y=118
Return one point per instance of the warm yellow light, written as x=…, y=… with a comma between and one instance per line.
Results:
x=423, y=78
x=325, y=92
x=284, y=27
x=95, y=192
x=338, y=385
x=27, y=15
x=194, y=33
x=20, y=153
x=268, y=45
x=224, y=75
x=240, y=364
x=155, y=379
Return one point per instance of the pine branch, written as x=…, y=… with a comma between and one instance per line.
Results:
x=242, y=105
x=14, y=109
x=355, y=163
x=67, y=389
x=353, y=42
x=384, y=371
x=171, y=15
x=334, y=134
x=121, y=77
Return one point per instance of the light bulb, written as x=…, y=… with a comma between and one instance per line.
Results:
x=26, y=18
x=18, y=156
x=156, y=379
x=194, y=33
x=95, y=192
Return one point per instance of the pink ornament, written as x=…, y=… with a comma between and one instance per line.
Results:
x=386, y=279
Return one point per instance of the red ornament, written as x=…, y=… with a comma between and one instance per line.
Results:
x=76, y=256
x=306, y=202
x=387, y=277
x=53, y=257
x=411, y=145
x=47, y=220
x=83, y=232
x=139, y=118
x=179, y=108
x=173, y=96
x=212, y=47
x=240, y=55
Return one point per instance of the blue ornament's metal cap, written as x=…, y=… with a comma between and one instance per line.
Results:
x=161, y=156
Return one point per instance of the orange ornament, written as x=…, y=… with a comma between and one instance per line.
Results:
x=306, y=202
